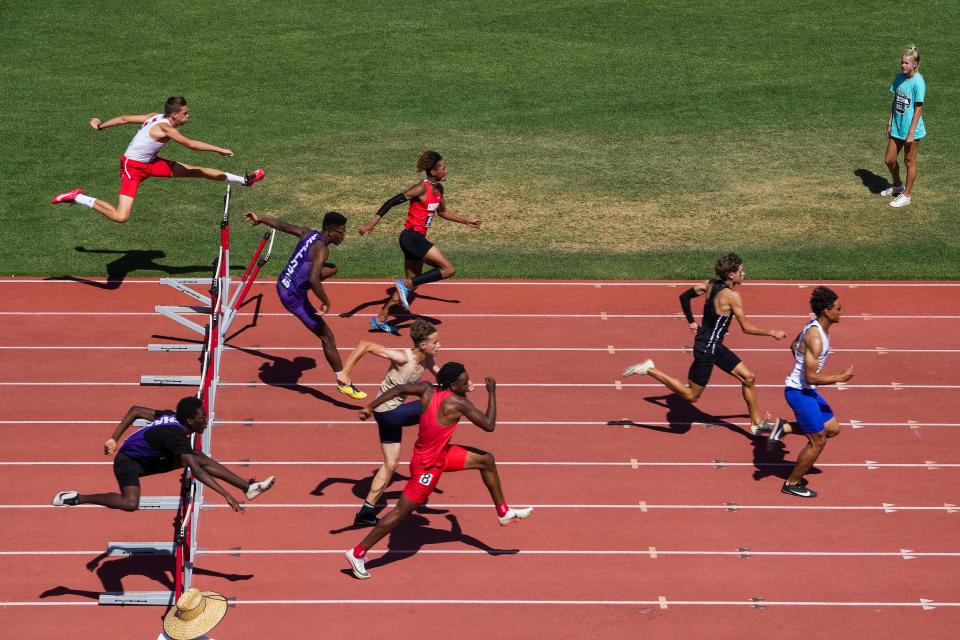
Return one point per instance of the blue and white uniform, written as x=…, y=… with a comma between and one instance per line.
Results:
x=809, y=407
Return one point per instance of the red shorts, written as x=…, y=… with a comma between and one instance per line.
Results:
x=423, y=480
x=132, y=173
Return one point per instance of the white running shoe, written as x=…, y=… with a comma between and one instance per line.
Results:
x=65, y=499
x=512, y=515
x=357, y=565
x=640, y=369
x=892, y=190
x=256, y=488
x=900, y=201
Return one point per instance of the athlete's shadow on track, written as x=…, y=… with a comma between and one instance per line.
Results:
x=112, y=573
x=283, y=372
x=769, y=460
x=412, y=535
x=131, y=260
x=681, y=415
x=396, y=310
x=872, y=181
x=361, y=488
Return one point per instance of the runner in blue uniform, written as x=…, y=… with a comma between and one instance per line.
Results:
x=306, y=270
x=722, y=304
x=163, y=445
x=815, y=418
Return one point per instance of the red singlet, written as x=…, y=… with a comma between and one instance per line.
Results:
x=420, y=215
x=433, y=438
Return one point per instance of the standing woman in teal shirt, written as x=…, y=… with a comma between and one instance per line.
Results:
x=905, y=127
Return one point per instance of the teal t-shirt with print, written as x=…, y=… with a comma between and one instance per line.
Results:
x=907, y=92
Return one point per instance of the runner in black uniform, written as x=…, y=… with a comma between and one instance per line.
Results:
x=721, y=305
x=163, y=445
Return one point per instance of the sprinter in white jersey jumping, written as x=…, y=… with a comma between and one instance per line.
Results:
x=814, y=416
x=141, y=160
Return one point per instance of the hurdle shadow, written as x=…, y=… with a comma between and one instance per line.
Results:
x=413, y=534
x=769, y=459
x=681, y=415
x=112, y=574
x=257, y=301
x=873, y=182
x=128, y=261
x=284, y=373
x=396, y=308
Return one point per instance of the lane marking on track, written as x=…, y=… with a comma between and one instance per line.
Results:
x=608, y=349
x=661, y=601
x=249, y=422
x=633, y=463
x=885, y=507
x=792, y=284
x=601, y=315
x=651, y=552
x=616, y=385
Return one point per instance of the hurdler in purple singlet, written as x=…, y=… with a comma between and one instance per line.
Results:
x=294, y=281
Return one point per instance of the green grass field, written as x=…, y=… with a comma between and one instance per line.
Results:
x=595, y=139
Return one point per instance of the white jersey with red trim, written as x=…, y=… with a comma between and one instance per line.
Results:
x=143, y=148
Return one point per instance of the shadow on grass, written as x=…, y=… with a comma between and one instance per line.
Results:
x=873, y=182
x=112, y=573
x=128, y=261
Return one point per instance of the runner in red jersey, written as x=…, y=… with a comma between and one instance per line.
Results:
x=141, y=160
x=433, y=454
x=426, y=201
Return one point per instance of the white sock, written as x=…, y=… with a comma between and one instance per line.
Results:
x=86, y=201
x=235, y=179
x=338, y=374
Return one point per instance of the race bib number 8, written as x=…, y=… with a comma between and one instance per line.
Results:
x=425, y=479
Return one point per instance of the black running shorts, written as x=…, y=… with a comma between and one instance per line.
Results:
x=703, y=364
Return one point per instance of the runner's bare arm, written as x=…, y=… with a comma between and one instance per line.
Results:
x=113, y=122
x=488, y=420
x=276, y=223
x=813, y=346
x=190, y=460
x=419, y=389
x=396, y=356
x=318, y=255
x=736, y=305
x=134, y=413
x=196, y=145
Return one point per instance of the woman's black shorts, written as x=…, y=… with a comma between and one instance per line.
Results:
x=414, y=244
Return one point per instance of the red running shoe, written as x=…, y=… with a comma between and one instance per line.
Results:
x=254, y=176
x=67, y=196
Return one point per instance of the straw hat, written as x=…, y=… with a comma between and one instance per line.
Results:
x=195, y=613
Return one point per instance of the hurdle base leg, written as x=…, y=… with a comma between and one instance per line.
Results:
x=137, y=598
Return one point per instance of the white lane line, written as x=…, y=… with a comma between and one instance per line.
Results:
x=923, y=603
x=632, y=464
x=447, y=349
x=858, y=424
x=890, y=386
x=791, y=284
x=240, y=551
x=886, y=507
x=595, y=315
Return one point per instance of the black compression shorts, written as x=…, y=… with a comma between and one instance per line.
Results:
x=414, y=244
x=129, y=470
x=703, y=364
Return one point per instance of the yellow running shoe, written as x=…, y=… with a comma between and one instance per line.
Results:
x=350, y=390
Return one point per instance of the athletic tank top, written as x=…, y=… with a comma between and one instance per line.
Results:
x=295, y=277
x=136, y=445
x=397, y=375
x=420, y=215
x=797, y=378
x=143, y=148
x=433, y=438
x=714, y=326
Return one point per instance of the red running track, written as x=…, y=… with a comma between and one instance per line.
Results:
x=652, y=516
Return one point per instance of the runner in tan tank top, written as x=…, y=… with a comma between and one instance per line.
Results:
x=406, y=367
